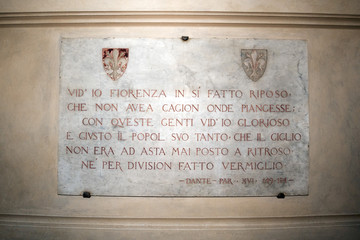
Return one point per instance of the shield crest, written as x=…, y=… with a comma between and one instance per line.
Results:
x=115, y=61
x=254, y=62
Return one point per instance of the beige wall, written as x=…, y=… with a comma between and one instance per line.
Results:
x=29, y=93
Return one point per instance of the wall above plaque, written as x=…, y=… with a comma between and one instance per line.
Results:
x=166, y=117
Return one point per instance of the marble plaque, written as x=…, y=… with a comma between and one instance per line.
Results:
x=167, y=117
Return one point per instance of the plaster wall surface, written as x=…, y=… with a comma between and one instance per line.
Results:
x=30, y=208
x=258, y=6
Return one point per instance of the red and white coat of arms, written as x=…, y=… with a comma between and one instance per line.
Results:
x=115, y=61
x=254, y=62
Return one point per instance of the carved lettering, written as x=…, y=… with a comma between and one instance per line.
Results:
x=164, y=117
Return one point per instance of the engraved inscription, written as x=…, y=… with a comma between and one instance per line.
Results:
x=186, y=121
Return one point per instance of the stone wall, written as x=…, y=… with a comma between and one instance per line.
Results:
x=30, y=207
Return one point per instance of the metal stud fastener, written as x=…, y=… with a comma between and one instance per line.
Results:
x=86, y=195
x=281, y=195
x=185, y=38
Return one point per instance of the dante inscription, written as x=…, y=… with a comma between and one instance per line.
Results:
x=163, y=117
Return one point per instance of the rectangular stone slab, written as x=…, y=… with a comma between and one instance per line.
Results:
x=168, y=117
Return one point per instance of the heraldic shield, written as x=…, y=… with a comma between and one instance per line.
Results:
x=254, y=62
x=115, y=61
